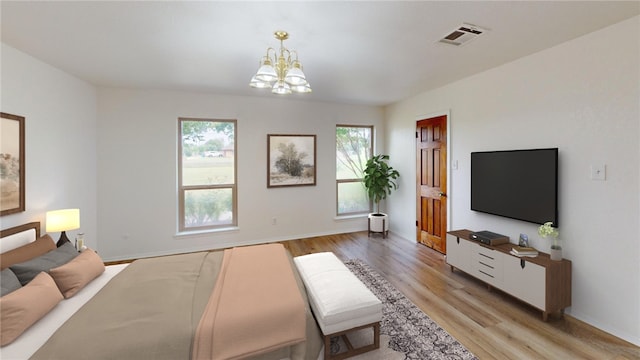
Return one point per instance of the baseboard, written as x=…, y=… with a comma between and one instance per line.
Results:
x=630, y=338
x=224, y=245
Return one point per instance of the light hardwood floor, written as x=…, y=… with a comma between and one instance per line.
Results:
x=491, y=324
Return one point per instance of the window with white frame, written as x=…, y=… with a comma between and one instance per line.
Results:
x=354, y=146
x=207, y=190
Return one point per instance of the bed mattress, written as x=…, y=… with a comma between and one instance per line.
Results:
x=34, y=337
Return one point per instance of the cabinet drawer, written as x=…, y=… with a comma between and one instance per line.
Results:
x=488, y=265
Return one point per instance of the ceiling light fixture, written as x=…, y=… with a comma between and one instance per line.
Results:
x=282, y=73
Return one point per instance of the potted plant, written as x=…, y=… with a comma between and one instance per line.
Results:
x=546, y=230
x=379, y=181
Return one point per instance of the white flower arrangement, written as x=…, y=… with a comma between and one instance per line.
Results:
x=547, y=229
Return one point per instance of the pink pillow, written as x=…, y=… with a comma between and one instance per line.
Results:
x=74, y=275
x=22, y=308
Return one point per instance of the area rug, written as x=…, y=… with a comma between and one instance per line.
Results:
x=405, y=332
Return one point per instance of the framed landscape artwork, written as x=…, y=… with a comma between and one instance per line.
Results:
x=291, y=160
x=11, y=164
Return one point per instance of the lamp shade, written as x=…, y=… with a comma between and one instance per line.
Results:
x=302, y=88
x=281, y=88
x=266, y=72
x=255, y=83
x=62, y=220
x=295, y=76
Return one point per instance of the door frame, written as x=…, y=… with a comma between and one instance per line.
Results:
x=447, y=113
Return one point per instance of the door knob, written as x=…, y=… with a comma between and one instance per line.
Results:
x=441, y=194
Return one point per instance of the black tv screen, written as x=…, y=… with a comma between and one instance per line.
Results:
x=518, y=184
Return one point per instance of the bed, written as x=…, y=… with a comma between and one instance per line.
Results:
x=157, y=309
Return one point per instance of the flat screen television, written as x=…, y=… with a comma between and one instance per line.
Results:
x=518, y=184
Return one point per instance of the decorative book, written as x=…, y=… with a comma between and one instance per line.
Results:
x=524, y=251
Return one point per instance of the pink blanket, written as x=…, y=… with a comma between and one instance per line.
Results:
x=255, y=306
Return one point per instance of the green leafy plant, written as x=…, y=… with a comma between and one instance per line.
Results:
x=547, y=230
x=379, y=179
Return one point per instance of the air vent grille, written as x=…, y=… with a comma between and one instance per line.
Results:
x=462, y=34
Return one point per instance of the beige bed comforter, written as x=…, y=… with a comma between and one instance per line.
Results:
x=151, y=310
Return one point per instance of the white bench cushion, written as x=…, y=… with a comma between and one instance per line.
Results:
x=340, y=301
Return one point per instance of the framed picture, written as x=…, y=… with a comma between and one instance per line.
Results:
x=291, y=160
x=523, y=240
x=11, y=164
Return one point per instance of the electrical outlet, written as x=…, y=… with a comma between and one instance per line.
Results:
x=599, y=172
x=274, y=221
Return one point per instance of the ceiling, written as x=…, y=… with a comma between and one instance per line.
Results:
x=359, y=52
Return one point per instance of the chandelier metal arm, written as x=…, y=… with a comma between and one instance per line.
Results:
x=274, y=52
x=293, y=52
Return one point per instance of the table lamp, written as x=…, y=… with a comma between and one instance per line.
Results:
x=62, y=220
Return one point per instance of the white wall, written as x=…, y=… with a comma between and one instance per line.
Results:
x=582, y=97
x=137, y=181
x=60, y=136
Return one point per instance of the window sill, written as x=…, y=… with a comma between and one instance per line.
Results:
x=194, y=233
x=351, y=216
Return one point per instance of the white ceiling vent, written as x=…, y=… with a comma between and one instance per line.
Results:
x=463, y=34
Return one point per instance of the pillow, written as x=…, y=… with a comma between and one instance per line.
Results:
x=32, y=250
x=25, y=271
x=23, y=307
x=8, y=281
x=74, y=275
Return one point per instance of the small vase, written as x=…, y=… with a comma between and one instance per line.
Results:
x=556, y=254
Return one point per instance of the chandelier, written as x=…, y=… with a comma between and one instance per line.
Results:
x=282, y=73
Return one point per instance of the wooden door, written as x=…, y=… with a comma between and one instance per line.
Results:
x=431, y=155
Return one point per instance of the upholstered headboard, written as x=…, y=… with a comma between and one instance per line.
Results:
x=19, y=235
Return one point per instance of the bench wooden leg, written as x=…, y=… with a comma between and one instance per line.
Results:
x=351, y=351
x=327, y=347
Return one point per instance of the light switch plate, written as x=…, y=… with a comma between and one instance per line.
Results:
x=599, y=172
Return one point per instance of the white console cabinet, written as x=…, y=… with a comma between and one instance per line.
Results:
x=538, y=281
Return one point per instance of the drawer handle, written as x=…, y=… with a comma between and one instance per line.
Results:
x=487, y=265
x=522, y=262
x=458, y=240
x=491, y=276
x=487, y=256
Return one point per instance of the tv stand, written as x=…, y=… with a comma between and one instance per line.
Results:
x=538, y=281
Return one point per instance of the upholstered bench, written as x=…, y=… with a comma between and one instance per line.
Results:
x=340, y=302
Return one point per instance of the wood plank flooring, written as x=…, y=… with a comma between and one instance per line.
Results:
x=491, y=324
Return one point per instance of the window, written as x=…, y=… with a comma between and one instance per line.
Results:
x=354, y=146
x=206, y=174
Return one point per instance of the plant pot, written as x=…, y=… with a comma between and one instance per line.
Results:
x=556, y=254
x=379, y=223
